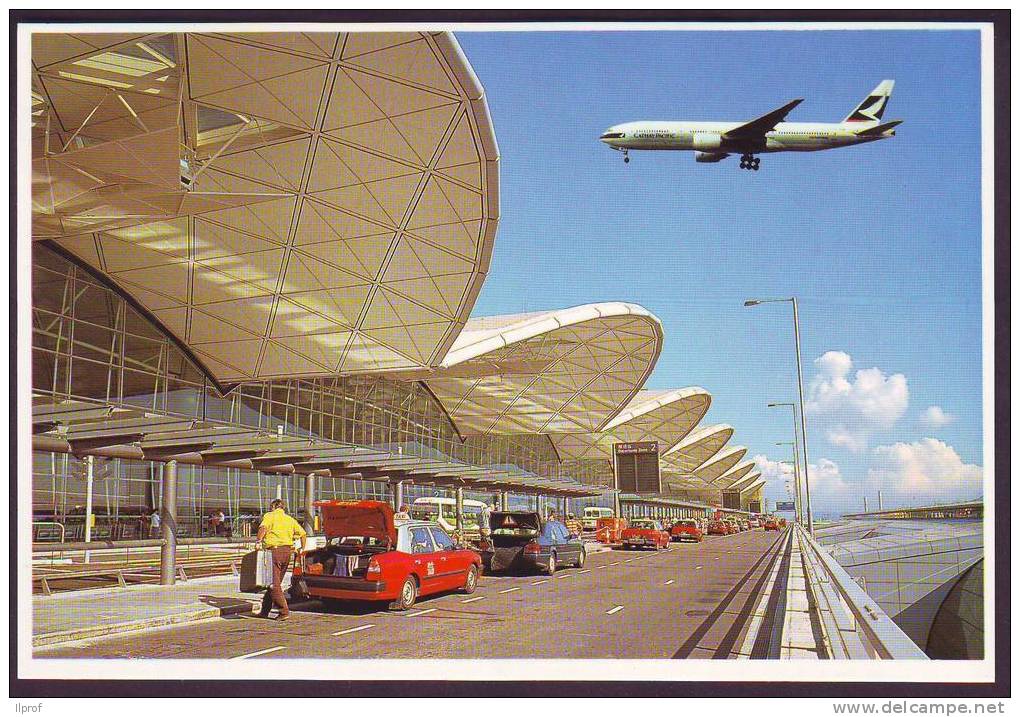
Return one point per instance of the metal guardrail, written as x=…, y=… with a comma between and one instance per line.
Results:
x=47, y=523
x=854, y=625
x=92, y=545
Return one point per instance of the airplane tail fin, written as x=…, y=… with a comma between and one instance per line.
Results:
x=871, y=109
x=878, y=130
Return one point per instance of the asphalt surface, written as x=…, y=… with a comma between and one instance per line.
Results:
x=691, y=601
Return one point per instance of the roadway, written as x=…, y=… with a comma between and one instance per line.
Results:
x=691, y=601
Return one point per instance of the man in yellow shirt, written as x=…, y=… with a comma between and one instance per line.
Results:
x=277, y=533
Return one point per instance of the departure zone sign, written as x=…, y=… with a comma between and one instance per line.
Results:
x=637, y=467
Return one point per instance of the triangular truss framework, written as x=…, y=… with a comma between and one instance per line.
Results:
x=285, y=204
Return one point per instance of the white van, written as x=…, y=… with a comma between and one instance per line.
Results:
x=444, y=512
x=592, y=514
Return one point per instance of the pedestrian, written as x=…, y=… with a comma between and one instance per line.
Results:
x=153, y=524
x=404, y=513
x=485, y=522
x=221, y=523
x=277, y=533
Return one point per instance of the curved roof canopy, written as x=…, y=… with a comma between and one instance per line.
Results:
x=743, y=484
x=566, y=371
x=753, y=487
x=662, y=416
x=722, y=462
x=734, y=474
x=696, y=448
x=284, y=204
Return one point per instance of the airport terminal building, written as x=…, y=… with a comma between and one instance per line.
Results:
x=255, y=259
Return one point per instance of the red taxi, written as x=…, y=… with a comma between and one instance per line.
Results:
x=718, y=527
x=771, y=524
x=644, y=533
x=686, y=530
x=368, y=556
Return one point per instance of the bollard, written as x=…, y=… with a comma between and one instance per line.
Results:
x=168, y=525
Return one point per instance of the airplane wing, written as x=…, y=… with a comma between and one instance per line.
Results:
x=765, y=123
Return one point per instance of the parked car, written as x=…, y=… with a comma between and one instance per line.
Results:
x=523, y=539
x=753, y=523
x=686, y=530
x=369, y=557
x=644, y=533
x=718, y=527
x=771, y=524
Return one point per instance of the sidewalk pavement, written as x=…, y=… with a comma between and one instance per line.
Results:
x=83, y=614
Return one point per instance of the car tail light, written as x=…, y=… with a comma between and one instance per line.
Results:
x=374, y=569
x=532, y=548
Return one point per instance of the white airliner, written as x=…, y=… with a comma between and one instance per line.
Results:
x=715, y=141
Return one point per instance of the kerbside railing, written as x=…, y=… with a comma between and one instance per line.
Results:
x=853, y=625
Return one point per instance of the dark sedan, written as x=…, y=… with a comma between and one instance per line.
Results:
x=523, y=539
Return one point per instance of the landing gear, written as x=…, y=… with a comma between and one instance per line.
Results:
x=626, y=159
x=749, y=161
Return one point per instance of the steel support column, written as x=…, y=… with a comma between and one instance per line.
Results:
x=89, y=477
x=309, y=501
x=168, y=525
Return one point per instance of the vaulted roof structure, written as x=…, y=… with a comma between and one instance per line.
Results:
x=283, y=204
x=556, y=372
x=663, y=416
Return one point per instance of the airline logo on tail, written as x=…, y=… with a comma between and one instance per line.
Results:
x=871, y=109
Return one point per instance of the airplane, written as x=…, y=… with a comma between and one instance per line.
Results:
x=715, y=141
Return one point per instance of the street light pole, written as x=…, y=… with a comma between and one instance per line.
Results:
x=803, y=422
x=800, y=390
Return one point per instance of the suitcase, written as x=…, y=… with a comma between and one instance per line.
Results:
x=256, y=571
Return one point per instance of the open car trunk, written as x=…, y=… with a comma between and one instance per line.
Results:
x=345, y=560
x=510, y=533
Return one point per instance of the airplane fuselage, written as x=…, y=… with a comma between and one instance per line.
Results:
x=710, y=136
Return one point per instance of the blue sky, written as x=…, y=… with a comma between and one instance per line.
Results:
x=880, y=243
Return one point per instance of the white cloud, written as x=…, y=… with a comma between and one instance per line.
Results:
x=849, y=408
x=935, y=417
x=828, y=485
x=926, y=471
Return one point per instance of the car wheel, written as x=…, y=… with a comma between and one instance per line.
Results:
x=581, y=556
x=408, y=594
x=471, y=581
x=550, y=566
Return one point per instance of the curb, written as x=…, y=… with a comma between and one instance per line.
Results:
x=50, y=639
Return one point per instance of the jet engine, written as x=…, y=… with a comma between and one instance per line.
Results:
x=706, y=142
x=706, y=157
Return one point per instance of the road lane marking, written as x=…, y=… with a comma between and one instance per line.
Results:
x=349, y=630
x=539, y=582
x=508, y=590
x=614, y=610
x=630, y=561
x=603, y=567
x=260, y=652
x=668, y=582
x=616, y=563
x=699, y=567
x=474, y=599
x=564, y=575
x=416, y=613
x=584, y=571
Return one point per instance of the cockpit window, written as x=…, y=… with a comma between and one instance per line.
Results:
x=613, y=135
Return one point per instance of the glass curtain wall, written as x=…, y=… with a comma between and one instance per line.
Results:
x=89, y=344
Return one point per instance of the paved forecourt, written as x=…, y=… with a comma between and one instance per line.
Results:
x=692, y=601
